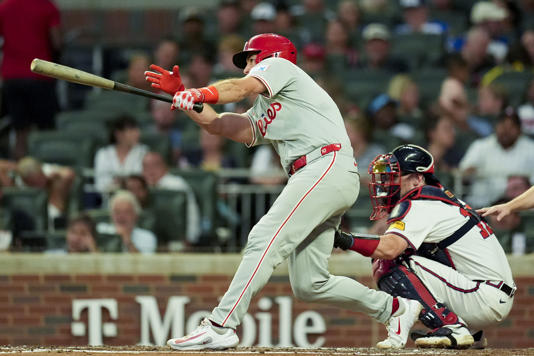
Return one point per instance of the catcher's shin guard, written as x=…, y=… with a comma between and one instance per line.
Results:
x=401, y=282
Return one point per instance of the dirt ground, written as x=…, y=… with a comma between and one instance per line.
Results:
x=163, y=351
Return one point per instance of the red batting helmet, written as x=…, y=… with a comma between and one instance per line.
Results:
x=266, y=45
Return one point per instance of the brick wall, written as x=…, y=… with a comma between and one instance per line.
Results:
x=36, y=308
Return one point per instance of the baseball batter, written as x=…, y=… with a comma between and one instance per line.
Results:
x=446, y=255
x=302, y=122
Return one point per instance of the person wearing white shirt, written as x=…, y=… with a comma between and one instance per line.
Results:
x=122, y=157
x=125, y=211
x=157, y=175
x=491, y=160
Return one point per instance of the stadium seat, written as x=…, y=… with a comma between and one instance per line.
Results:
x=429, y=81
x=418, y=49
x=158, y=143
x=515, y=83
x=117, y=102
x=204, y=185
x=362, y=85
x=66, y=118
x=109, y=242
x=62, y=147
x=32, y=201
x=169, y=208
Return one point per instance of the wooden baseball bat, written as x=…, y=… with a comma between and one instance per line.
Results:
x=74, y=75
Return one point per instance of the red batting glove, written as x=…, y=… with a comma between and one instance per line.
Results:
x=169, y=82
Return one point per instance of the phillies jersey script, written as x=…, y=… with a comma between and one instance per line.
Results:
x=296, y=115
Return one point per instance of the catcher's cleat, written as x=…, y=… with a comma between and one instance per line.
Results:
x=480, y=340
x=454, y=336
x=400, y=323
x=206, y=337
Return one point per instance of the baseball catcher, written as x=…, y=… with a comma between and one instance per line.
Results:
x=436, y=250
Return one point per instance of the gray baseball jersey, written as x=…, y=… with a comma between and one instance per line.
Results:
x=298, y=117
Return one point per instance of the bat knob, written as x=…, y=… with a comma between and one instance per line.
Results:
x=198, y=107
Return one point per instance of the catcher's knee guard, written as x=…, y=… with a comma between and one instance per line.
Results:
x=401, y=282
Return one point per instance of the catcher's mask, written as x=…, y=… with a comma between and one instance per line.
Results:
x=384, y=187
x=386, y=171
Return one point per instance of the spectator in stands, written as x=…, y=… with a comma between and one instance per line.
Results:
x=224, y=67
x=527, y=40
x=200, y=69
x=211, y=156
x=475, y=53
x=383, y=11
x=491, y=101
x=137, y=66
x=137, y=185
x=229, y=18
x=405, y=91
x=338, y=47
x=360, y=133
x=8, y=171
x=314, y=59
x=453, y=96
x=515, y=186
x=285, y=21
x=165, y=124
x=265, y=168
x=312, y=17
x=521, y=53
x=56, y=180
x=81, y=234
x=441, y=142
x=377, y=50
x=157, y=175
x=526, y=111
x=489, y=161
x=191, y=35
x=121, y=157
x=490, y=16
x=415, y=15
x=349, y=13
x=263, y=17
x=125, y=211
x=30, y=29
x=167, y=53
x=382, y=112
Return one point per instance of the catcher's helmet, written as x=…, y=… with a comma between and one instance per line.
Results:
x=386, y=171
x=266, y=45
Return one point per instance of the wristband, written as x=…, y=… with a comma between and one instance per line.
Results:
x=210, y=94
x=365, y=247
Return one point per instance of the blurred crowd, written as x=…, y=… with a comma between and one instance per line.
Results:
x=456, y=77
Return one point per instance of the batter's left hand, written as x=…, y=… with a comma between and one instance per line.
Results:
x=185, y=100
x=169, y=82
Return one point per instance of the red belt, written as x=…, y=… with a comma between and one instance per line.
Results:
x=304, y=160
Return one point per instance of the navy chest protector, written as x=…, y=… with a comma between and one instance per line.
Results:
x=437, y=251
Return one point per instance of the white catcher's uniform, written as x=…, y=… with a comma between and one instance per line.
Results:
x=299, y=118
x=470, y=287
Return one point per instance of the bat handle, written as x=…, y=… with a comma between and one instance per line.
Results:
x=198, y=107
